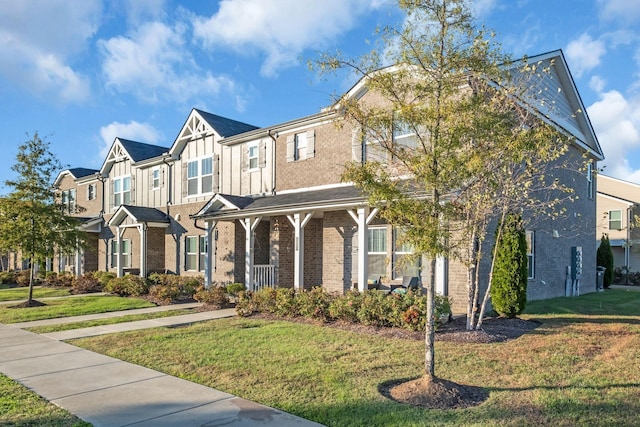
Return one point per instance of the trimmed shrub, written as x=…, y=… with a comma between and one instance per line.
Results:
x=85, y=284
x=346, y=307
x=128, y=285
x=215, y=296
x=56, y=280
x=22, y=278
x=7, y=277
x=245, y=305
x=373, y=309
x=265, y=300
x=314, y=303
x=604, y=257
x=235, y=288
x=285, y=302
x=103, y=277
x=509, y=287
x=168, y=288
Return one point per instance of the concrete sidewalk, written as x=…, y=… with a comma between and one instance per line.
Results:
x=108, y=392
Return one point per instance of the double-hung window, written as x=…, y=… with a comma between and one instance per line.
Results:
x=590, y=180
x=530, y=237
x=126, y=253
x=301, y=146
x=121, y=191
x=68, y=200
x=253, y=157
x=200, y=176
x=91, y=191
x=155, y=178
x=377, y=256
x=195, y=253
x=615, y=220
x=403, y=263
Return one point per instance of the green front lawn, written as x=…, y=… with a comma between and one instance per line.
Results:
x=22, y=293
x=108, y=321
x=580, y=367
x=20, y=407
x=75, y=306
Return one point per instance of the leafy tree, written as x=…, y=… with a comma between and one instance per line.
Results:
x=473, y=148
x=509, y=290
x=604, y=257
x=32, y=220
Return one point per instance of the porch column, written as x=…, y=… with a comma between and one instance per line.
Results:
x=249, y=225
x=119, y=233
x=78, y=260
x=210, y=259
x=142, y=228
x=299, y=223
x=363, y=217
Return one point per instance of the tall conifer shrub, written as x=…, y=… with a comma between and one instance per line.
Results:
x=509, y=288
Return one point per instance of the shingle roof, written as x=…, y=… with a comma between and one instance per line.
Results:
x=82, y=172
x=225, y=127
x=144, y=214
x=289, y=201
x=141, y=151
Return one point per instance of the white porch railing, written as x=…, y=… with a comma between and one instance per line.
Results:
x=264, y=276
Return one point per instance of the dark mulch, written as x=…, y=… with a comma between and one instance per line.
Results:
x=32, y=303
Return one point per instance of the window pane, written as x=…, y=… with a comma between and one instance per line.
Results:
x=192, y=187
x=192, y=169
x=377, y=265
x=404, y=266
x=378, y=240
x=116, y=186
x=207, y=166
x=126, y=184
x=116, y=199
x=207, y=182
x=191, y=245
x=301, y=146
x=615, y=220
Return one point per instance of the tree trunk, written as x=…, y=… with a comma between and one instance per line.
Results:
x=429, y=339
x=31, y=274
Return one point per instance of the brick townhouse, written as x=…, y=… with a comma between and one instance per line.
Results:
x=265, y=206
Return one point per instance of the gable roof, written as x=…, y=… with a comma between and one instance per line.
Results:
x=135, y=151
x=223, y=126
x=76, y=173
x=139, y=215
x=344, y=196
x=200, y=124
x=554, y=98
x=139, y=151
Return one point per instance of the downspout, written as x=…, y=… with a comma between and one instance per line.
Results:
x=169, y=181
x=273, y=162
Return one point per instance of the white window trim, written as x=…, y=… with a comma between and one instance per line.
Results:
x=616, y=220
x=256, y=146
x=199, y=177
x=396, y=252
x=297, y=139
x=121, y=192
x=531, y=254
x=200, y=253
x=91, y=191
x=155, y=170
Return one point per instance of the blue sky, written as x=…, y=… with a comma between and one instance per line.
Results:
x=83, y=72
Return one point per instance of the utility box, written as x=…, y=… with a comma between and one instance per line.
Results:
x=600, y=278
x=576, y=262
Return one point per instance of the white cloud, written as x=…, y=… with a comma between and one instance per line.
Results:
x=35, y=56
x=626, y=11
x=597, y=84
x=584, y=53
x=154, y=64
x=279, y=29
x=616, y=121
x=135, y=131
x=482, y=8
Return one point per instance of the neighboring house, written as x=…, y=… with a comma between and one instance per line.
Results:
x=618, y=202
x=266, y=206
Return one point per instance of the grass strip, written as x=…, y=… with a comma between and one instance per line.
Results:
x=21, y=294
x=20, y=407
x=67, y=307
x=109, y=321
